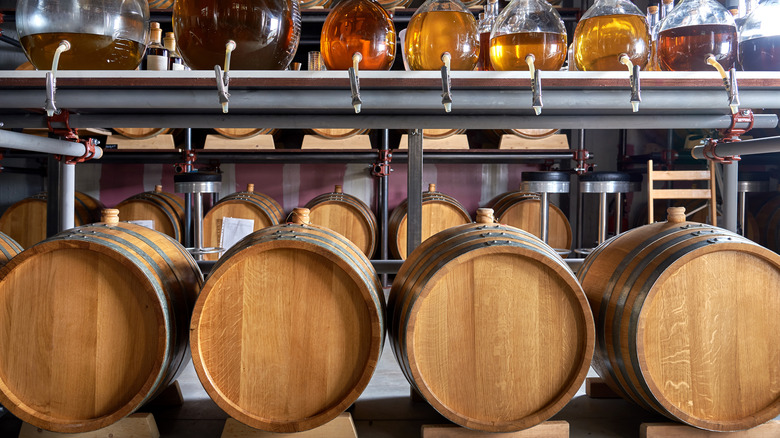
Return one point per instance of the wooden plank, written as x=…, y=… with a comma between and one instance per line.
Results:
x=548, y=429
x=558, y=142
x=340, y=427
x=138, y=425
x=356, y=142
x=681, y=194
x=455, y=142
x=258, y=142
x=681, y=175
x=160, y=142
x=595, y=387
x=770, y=429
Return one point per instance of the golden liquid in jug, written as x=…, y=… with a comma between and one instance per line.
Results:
x=264, y=31
x=686, y=48
x=358, y=27
x=430, y=34
x=87, y=51
x=599, y=42
x=508, y=52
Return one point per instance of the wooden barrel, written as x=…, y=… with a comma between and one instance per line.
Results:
x=250, y=205
x=8, y=249
x=346, y=215
x=165, y=210
x=99, y=327
x=241, y=133
x=436, y=134
x=439, y=212
x=522, y=210
x=142, y=133
x=531, y=134
x=336, y=134
x=687, y=322
x=768, y=218
x=25, y=221
x=292, y=348
x=490, y=326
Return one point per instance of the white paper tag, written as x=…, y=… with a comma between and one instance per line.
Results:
x=233, y=230
x=144, y=223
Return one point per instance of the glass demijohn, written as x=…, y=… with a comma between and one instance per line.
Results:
x=266, y=32
x=694, y=30
x=103, y=34
x=440, y=26
x=528, y=27
x=358, y=26
x=609, y=29
x=759, y=38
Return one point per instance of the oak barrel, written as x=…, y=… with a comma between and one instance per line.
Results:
x=142, y=133
x=490, y=326
x=437, y=134
x=99, y=324
x=522, y=210
x=687, y=322
x=335, y=133
x=25, y=221
x=255, y=206
x=346, y=215
x=241, y=133
x=8, y=249
x=166, y=210
x=439, y=212
x=289, y=327
x=768, y=218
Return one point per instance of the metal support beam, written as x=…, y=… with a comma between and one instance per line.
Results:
x=35, y=143
x=729, y=196
x=414, y=188
x=746, y=147
x=67, y=191
x=53, y=206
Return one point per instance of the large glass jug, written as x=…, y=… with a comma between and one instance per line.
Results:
x=694, y=30
x=266, y=32
x=528, y=27
x=440, y=26
x=103, y=34
x=609, y=29
x=361, y=26
x=759, y=38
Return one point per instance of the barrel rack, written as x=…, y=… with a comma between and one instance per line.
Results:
x=391, y=100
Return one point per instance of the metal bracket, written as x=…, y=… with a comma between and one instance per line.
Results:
x=446, y=86
x=636, y=98
x=51, y=90
x=354, y=82
x=59, y=125
x=189, y=162
x=729, y=135
x=734, y=92
x=223, y=82
x=536, y=85
x=382, y=166
x=580, y=156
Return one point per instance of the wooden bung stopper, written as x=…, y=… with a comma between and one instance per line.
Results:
x=158, y=188
x=250, y=187
x=675, y=215
x=652, y=9
x=485, y=216
x=338, y=189
x=431, y=187
x=300, y=216
x=109, y=216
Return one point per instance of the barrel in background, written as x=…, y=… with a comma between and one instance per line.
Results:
x=687, y=322
x=522, y=210
x=164, y=210
x=346, y=215
x=8, y=249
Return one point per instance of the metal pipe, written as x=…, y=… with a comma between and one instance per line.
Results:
x=188, y=196
x=729, y=196
x=741, y=226
x=580, y=200
x=34, y=143
x=198, y=229
x=383, y=198
x=746, y=147
x=53, y=205
x=618, y=212
x=67, y=191
x=414, y=191
x=544, y=222
x=602, y=217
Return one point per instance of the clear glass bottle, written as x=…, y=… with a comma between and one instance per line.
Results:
x=652, y=23
x=666, y=8
x=440, y=26
x=175, y=61
x=358, y=26
x=694, y=30
x=485, y=26
x=266, y=32
x=528, y=27
x=156, y=57
x=759, y=38
x=609, y=29
x=103, y=34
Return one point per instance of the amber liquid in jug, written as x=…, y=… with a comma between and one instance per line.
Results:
x=266, y=32
x=508, y=52
x=358, y=26
x=686, y=48
x=87, y=51
x=430, y=34
x=760, y=54
x=599, y=41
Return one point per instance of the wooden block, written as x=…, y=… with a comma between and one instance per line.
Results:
x=138, y=425
x=160, y=142
x=553, y=142
x=455, y=142
x=770, y=429
x=340, y=427
x=170, y=397
x=356, y=142
x=258, y=142
x=595, y=387
x=548, y=429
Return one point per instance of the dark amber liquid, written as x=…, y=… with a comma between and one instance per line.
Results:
x=760, y=54
x=599, y=42
x=483, y=63
x=87, y=51
x=686, y=48
x=358, y=26
x=266, y=33
x=430, y=34
x=508, y=52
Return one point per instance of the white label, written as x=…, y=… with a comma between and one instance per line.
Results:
x=144, y=223
x=233, y=230
x=176, y=67
x=156, y=62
